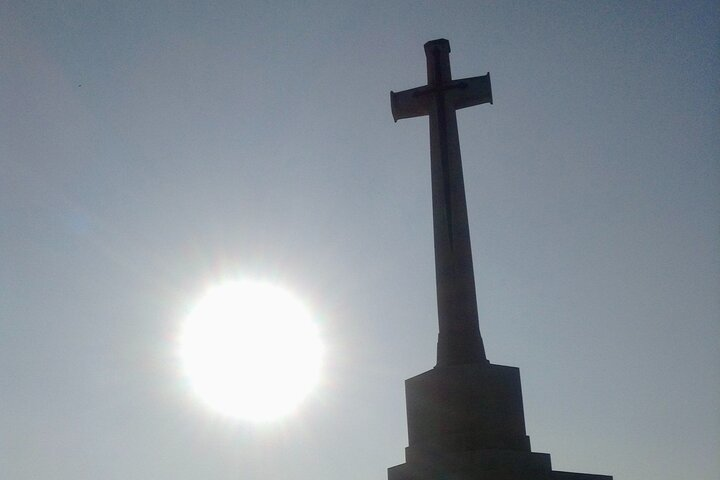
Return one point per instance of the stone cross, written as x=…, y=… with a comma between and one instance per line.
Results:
x=459, y=340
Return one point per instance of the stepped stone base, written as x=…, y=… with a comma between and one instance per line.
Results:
x=466, y=422
x=485, y=465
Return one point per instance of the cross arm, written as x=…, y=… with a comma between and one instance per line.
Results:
x=410, y=103
x=460, y=93
x=471, y=91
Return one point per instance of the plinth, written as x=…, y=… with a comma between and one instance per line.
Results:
x=466, y=422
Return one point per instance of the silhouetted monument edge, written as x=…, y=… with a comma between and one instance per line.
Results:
x=465, y=416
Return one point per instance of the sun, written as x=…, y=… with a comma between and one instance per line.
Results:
x=250, y=350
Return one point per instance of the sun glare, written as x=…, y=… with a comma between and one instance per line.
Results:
x=250, y=350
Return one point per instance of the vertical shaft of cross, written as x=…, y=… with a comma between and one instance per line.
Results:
x=459, y=340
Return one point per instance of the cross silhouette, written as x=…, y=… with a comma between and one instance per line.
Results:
x=459, y=340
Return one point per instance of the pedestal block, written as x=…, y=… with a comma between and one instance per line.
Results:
x=466, y=407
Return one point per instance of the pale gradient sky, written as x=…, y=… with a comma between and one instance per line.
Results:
x=149, y=149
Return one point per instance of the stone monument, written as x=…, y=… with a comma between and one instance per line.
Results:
x=465, y=416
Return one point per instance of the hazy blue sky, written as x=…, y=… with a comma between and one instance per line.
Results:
x=149, y=149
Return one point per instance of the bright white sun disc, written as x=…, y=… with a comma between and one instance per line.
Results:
x=250, y=350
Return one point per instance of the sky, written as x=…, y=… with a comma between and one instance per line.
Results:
x=151, y=149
